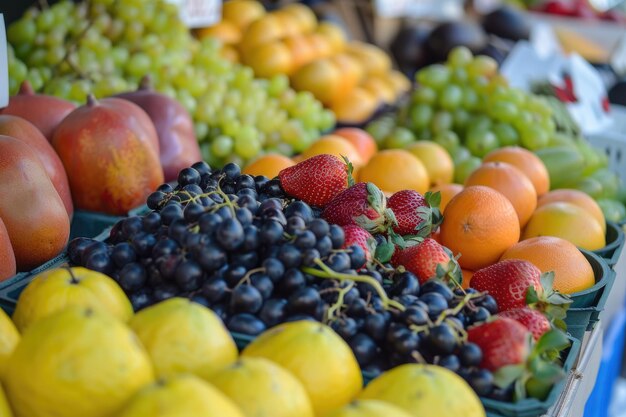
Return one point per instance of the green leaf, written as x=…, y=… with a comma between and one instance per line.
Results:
x=390, y=217
x=384, y=252
x=553, y=339
x=350, y=170
x=506, y=375
x=396, y=239
x=547, y=281
x=546, y=371
x=375, y=197
x=531, y=296
x=433, y=199
x=536, y=388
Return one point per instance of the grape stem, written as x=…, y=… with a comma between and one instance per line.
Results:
x=456, y=310
x=328, y=273
x=246, y=278
x=330, y=314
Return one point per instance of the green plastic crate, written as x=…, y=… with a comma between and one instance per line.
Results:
x=591, y=296
x=90, y=224
x=615, y=240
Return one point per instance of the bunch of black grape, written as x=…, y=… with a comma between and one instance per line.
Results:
x=238, y=245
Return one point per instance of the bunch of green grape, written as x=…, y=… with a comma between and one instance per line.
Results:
x=106, y=46
x=468, y=108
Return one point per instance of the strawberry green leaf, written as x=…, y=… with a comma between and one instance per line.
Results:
x=376, y=198
x=531, y=296
x=547, y=281
x=433, y=199
x=551, y=340
x=390, y=217
x=506, y=375
x=350, y=170
x=396, y=239
x=537, y=388
x=384, y=252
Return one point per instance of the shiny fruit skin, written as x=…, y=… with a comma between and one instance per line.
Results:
x=178, y=146
x=7, y=257
x=436, y=160
x=30, y=207
x=45, y=112
x=356, y=107
x=110, y=150
x=268, y=165
x=363, y=142
x=576, y=197
x=25, y=131
x=57, y=289
x=393, y=170
x=525, y=161
x=369, y=408
x=9, y=338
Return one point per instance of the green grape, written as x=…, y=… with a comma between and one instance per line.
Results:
x=503, y=111
x=479, y=122
x=507, y=135
x=482, y=65
x=460, y=154
x=549, y=125
x=35, y=79
x=22, y=31
x=247, y=144
x=470, y=99
x=449, y=140
x=14, y=86
x=460, y=119
x=464, y=168
x=201, y=130
x=79, y=90
x=524, y=118
x=291, y=132
x=481, y=142
x=534, y=137
x=441, y=122
x=17, y=70
x=277, y=85
x=138, y=64
x=37, y=58
x=435, y=76
x=424, y=95
x=327, y=120
x=420, y=116
x=538, y=105
x=460, y=56
x=55, y=55
x=379, y=129
x=187, y=100
x=400, y=137
x=450, y=97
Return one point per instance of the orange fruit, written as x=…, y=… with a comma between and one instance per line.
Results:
x=260, y=31
x=355, y=107
x=479, y=223
x=242, y=12
x=436, y=159
x=394, y=170
x=227, y=32
x=467, y=277
x=447, y=191
x=525, y=161
x=321, y=77
x=362, y=141
x=572, y=271
x=333, y=145
x=380, y=88
x=301, y=51
x=269, y=59
x=567, y=221
x=269, y=165
x=511, y=182
x=579, y=198
x=334, y=35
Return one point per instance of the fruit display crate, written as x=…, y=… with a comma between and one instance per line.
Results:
x=91, y=224
x=615, y=241
x=587, y=305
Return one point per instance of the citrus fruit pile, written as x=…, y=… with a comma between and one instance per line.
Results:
x=467, y=107
x=352, y=78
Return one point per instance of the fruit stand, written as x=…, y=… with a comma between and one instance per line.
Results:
x=313, y=209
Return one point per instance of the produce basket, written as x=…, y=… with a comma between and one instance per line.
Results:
x=11, y=288
x=532, y=407
x=585, y=310
x=90, y=224
x=614, y=246
x=591, y=296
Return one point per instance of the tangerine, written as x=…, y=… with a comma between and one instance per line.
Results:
x=362, y=141
x=393, y=170
x=479, y=223
x=527, y=162
x=577, y=197
x=467, y=278
x=447, y=192
x=269, y=165
x=567, y=221
x=436, y=159
x=333, y=145
x=572, y=271
x=509, y=181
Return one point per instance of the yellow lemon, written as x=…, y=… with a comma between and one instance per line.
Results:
x=425, y=390
x=369, y=408
x=394, y=170
x=436, y=160
x=567, y=221
x=261, y=388
x=317, y=356
x=77, y=362
x=5, y=409
x=9, y=338
x=183, y=395
x=56, y=289
x=184, y=337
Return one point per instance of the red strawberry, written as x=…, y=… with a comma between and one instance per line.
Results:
x=535, y=321
x=503, y=341
x=508, y=281
x=316, y=180
x=356, y=235
x=362, y=204
x=415, y=214
x=427, y=260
